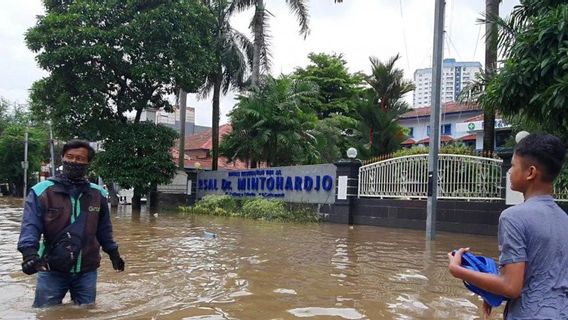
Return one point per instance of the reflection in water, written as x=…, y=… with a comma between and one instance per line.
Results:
x=175, y=269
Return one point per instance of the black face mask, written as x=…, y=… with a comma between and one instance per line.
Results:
x=75, y=171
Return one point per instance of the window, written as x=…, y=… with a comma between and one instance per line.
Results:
x=445, y=129
x=411, y=132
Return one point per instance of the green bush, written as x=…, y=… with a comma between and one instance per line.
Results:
x=263, y=209
x=457, y=148
x=213, y=202
x=453, y=148
x=257, y=208
x=561, y=184
x=410, y=152
x=305, y=214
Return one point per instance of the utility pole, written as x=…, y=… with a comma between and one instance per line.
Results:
x=51, y=151
x=25, y=167
x=437, y=58
x=491, y=36
x=182, y=108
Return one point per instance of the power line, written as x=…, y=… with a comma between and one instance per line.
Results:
x=451, y=43
x=404, y=35
x=476, y=42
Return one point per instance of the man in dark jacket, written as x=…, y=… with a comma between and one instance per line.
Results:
x=65, y=223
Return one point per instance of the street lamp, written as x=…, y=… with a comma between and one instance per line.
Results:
x=351, y=153
x=520, y=136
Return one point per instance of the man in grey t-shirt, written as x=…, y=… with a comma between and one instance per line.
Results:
x=533, y=239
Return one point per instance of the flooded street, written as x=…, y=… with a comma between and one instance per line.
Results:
x=203, y=267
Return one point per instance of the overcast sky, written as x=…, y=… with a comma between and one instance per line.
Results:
x=356, y=28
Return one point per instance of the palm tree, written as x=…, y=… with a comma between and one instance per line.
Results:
x=385, y=134
x=270, y=125
x=233, y=54
x=261, y=37
x=388, y=82
x=384, y=105
x=491, y=38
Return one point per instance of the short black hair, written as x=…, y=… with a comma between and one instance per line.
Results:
x=546, y=150
x=76, y=144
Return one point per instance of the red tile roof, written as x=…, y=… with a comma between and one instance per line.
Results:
x=469, y=137
x=476, y=118
x=223, y=163
x=443, y=138
x=449, y=107
x=203, y=140
x=408, y=141
x=479, y=118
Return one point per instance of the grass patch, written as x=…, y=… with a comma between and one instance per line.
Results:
x=258, y=209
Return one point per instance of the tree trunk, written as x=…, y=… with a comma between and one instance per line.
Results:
x=491, y=10
x=153, y=198
x=138, y=115
x=215, y=120
x=182, y=111
x=258, y=33
x=18, y=189
x=136, y=196
x=113, y=195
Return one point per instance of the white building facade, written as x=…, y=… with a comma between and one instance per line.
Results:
x=417, y=122
x=458, y=123
x=455, y=76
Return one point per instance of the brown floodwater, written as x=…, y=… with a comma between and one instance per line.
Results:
x=203, y=267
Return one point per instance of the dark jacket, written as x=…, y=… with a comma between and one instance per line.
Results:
x=49, y=209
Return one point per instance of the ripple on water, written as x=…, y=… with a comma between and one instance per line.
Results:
x=345, y=313
x=285, y=291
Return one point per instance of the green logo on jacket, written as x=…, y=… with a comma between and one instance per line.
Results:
x=94, y=209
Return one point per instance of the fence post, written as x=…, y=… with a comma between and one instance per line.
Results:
x=347, y=190
x=191, y=186
x=506, y=155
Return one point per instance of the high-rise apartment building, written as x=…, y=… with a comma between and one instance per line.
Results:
x=172, y=119
x=455, y=76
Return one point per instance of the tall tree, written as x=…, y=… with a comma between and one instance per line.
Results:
x=182, y=105
x=107, y=59
x=233, y=55
x=533, y=82
x=137, y=157
x=16, y=123
x=338, y=87
x=387, y=82
x=384, y=104
x=491, y=36
x=4, y=106
x=335, y=104
x=385, y=134
x=334, y=136
x=259, y=27
x=272, y=126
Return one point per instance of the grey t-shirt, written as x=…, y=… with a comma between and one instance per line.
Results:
x=536, y=232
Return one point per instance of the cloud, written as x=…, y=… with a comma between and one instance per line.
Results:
x=17, y=63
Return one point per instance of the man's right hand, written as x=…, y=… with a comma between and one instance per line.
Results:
x=31, y=264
